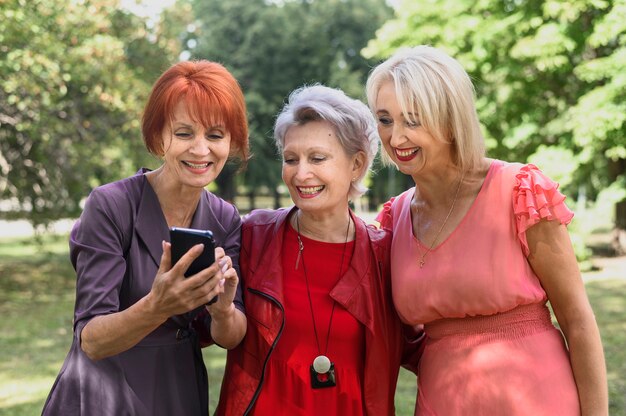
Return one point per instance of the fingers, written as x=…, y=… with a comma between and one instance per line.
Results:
x=230, y=278
x=219, y=253
x=166, y=257
x=225, y=263
x=203, y=286
x=224, y=280
x=185, y=261
x=209, y=289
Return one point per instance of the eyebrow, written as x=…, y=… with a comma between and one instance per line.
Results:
x=411, y=114
x=179, y=124
x=312, y=149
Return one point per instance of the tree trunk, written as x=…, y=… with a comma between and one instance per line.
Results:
x=226, y=183
x=619, y=233
x=276, y=198
x=252, y=199
x=616, y=169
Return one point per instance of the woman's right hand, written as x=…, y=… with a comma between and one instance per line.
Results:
x=174, y=294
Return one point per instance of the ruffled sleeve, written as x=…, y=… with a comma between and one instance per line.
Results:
x=536, y=197
x=384, y=217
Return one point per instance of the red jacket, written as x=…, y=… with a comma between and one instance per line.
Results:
x=364, y=291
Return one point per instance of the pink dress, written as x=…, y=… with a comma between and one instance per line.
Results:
x=492, y=348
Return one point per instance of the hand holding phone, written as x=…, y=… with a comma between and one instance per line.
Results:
x=183, y=239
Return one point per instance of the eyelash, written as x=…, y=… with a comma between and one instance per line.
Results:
x=386, y=122
x=187, y=136
x=315, y=159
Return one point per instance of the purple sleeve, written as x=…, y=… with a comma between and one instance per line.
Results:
x=97, y=254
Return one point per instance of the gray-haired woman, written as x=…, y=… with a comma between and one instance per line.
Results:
x=322, y=332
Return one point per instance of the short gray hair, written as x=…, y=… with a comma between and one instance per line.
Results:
x=434, y=86
x=351, y=120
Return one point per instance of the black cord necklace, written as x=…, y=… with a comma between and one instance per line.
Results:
x=322, y=370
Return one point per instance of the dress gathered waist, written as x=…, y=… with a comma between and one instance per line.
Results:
x=519, y=322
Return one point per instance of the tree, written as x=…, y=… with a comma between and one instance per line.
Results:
x=274, y=48
x=549, y=76
x=75, y=76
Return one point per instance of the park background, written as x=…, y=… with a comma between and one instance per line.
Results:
x=74, y=74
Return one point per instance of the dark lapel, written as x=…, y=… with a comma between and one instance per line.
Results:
x=151, y=226
x=355, y=291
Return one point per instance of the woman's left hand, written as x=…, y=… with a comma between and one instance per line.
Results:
x=227, y=284
x=228, y=324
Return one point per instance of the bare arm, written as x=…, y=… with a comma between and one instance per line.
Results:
x=228, y=324
x=553, y=260
x=171, y=294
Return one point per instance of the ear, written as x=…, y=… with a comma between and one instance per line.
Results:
x=358, y=164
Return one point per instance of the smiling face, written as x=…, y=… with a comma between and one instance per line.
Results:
x=317, y=170
x=407, y=142
x=194, y=154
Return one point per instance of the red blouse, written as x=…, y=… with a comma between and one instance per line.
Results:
x=287, y=381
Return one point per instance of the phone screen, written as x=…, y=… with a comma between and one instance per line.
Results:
x=183, y=239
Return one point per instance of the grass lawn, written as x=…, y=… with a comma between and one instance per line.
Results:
x=36, y=305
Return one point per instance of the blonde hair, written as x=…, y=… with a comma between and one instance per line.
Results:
x=434, y=86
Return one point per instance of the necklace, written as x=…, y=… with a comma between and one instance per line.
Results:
x=322, y=370
x=422, y=262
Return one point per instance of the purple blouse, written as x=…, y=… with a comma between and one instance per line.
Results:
x=115, y=248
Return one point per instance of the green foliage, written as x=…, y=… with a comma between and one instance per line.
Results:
x=74, y=79
x=549, y=76
x=273, y=48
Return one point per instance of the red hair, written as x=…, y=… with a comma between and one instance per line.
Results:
x=212, y=96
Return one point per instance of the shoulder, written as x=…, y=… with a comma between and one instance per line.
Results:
x=223, y=210
x=506, y=171
x=522, y=176
x=260, y=227
x=264, y=217
x=132, y=184
x=379, y=238
x=119, y=196
x=390, y=209
x=403, y=197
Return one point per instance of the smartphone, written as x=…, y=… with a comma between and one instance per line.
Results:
x=182, y=239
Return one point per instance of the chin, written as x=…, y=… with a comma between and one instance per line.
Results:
x=407, y=170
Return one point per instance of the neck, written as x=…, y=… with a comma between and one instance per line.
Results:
x=438, y=188
x=327, y=228
x=178, y=203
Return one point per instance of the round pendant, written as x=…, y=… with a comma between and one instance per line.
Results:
x=321, y=364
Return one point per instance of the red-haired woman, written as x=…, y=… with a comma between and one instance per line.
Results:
x=135, y=351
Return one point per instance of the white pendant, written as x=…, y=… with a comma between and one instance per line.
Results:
x=321, y=364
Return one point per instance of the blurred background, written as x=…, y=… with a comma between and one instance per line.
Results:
x=550, y=80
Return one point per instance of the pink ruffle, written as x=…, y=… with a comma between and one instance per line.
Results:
x=536, y=197
x=384, y=217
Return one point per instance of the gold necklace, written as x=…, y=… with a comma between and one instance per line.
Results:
x=422, y=262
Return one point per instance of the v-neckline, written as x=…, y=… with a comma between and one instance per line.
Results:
x=483, y=187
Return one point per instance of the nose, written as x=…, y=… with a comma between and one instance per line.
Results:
x=200, y=146
x=397, y=135
x=303, y=171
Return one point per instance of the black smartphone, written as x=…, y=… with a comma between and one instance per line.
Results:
x=182, y=239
